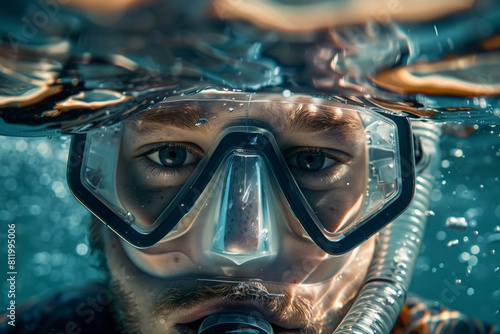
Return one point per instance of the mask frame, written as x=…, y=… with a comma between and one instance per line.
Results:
x=261, y=142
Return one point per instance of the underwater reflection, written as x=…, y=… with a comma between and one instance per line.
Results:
x=415, y=58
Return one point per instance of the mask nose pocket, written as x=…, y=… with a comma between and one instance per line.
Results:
x=243, y=229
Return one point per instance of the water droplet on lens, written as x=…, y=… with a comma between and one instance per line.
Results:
x=129, y=217
x=201, y=121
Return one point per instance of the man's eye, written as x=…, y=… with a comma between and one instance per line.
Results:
x=311, y=161
x=173, y=156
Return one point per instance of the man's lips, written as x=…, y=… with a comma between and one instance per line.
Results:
x=195, y=315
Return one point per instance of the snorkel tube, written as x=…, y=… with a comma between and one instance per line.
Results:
x=382, y=297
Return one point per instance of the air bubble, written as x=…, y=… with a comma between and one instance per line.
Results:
x=494, y=237
x=468, y=271
x=82, y=249
x=456, y=152
x=482, y=103
x=458, y=223
x=473, y=260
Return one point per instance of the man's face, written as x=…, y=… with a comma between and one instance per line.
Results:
x=172, y=286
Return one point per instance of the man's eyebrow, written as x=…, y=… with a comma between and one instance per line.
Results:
x=311, y=118
x=184, y=116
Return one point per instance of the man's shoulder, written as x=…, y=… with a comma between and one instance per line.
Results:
x=85, y=309
x=424, y=316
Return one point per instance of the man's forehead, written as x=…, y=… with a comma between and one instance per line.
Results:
x=200, y=114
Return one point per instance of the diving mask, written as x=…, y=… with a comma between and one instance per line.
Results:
x=240, y=178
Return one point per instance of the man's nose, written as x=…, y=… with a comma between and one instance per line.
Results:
x=244, y=226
